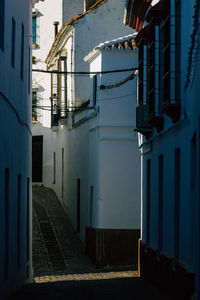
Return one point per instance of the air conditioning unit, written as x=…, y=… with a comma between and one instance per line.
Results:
x=142, y=119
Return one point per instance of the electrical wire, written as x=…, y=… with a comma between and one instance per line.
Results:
x=120, y=83
x=83, y=73
x=76, y=108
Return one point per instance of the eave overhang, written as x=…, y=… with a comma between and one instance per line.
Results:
x=135, y=13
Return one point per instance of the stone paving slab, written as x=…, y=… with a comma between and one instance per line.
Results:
x=71, y=250
x=61, y=268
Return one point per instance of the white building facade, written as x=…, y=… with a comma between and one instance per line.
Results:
x=47, y=17
x=114, y=161
x=168, y=126
x=15, y=149
x=96, y=180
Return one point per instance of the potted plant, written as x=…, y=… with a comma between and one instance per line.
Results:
x=34, y=116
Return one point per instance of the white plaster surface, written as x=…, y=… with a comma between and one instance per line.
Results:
x=15, y=150
x=98, y=163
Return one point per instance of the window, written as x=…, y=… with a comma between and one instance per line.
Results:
x=155, y=111
x=142, y=110
x=18, y=222
x=62, y=81
x=160, y=202
x=151, y=70
x=171, y=58
x=141, y=73
x=34, y=30
x=2, y=24
x=159, y=64
x=28, y=220
x=93, y=90
x=22, y=53
x=143, y=65
x=148, y=203
x=194, y=196
x=177, y=173
x=7, y=222
x=54, y=100
x=34, y=105
x=13, y=43
x=54, y=85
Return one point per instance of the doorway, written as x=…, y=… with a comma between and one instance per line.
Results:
x=37, y=158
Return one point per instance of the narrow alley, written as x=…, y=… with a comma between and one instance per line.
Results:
x=61, y=268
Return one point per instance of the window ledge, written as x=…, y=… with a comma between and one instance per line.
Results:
x=147, y=132
x=35, y=46
x=172, y=110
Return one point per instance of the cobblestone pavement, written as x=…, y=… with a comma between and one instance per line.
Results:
x=61, y=268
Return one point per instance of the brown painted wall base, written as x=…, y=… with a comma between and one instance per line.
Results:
x=114, y=247
x=159, y=270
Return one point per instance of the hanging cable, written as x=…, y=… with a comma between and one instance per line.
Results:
x=122, y=82
x=83, y=73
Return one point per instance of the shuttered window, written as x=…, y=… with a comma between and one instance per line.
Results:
x=171, y=58
x=151, y=70
x=34, y=30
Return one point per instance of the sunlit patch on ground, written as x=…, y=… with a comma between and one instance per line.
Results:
x=87, y=276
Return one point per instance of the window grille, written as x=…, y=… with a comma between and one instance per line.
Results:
x=34, y=105
x=141, y=73
x=151, y=70
x=62, y=87
x=35, y=31
x=55, y=112
x=171, y=53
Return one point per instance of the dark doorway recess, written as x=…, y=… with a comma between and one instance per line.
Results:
x=37, y=158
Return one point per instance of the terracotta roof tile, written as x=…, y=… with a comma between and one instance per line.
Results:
x=127, y=42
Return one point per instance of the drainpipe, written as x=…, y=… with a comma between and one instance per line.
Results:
x=56, y=23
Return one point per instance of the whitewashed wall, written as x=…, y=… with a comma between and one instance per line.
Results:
x=71, y=8
x=48, y=12
x=80, y=154
x=117, y=196
x=104, y=23
x=177, y=136
x=15, y=152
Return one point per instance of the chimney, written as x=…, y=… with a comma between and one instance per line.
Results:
x=56, y=23
x=88, y=4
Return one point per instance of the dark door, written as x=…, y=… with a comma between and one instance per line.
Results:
x=37, y=157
